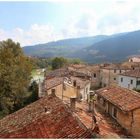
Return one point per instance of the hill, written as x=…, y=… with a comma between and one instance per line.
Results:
x=115, y=49
x=63, y=48
x=96, y=49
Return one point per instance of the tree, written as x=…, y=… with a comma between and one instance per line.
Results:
x=58, y=62
x=15, y=72
x=34, y=89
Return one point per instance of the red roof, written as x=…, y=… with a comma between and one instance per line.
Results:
x=124, y=99
x=53, y=82
x=34, y=122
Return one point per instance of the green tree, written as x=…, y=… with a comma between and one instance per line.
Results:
x=59, y=62
x=34, y=89
x=15, y=71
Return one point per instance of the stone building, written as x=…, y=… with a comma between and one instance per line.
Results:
x=130, y=79
x=67, y=87
x=109, y=74
x=123, y=105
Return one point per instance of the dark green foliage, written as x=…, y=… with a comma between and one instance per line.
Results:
x=15, y=71
x=33, y=90
x=59, y=62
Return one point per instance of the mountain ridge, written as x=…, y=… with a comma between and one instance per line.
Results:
x=91, y=49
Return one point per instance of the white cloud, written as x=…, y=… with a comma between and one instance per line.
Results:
x=115, y=16
x=34, y=35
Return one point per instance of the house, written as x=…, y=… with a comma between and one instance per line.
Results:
x=109, y=74
x=48, y=117
x=89, y=72
x=82, y=85
x=130, y=79
x=79, y=71
x=68, y=87
x=95, y=76
x=57, y=73
x=53, y=83
x=132, y=65
x=123, y=105
x=135, y=58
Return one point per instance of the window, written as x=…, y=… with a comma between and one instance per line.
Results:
x=138, y=82
x=114, y=71
x=94, y=75
x=131, y=82
x=120, y=71
x=121, y=79
x=114, y=112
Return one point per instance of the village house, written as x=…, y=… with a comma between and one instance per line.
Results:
x=95, y=76
x=80, y=70
x=135, y=58
x=109, y=74
x=123, y=105
x=82, y=85
x=90, y=72
x=130, y=79
x=48, y=117
x=57, y=73
x=67, y=87
x=131, y=65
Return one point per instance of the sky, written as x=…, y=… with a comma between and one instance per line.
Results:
x=36, y=22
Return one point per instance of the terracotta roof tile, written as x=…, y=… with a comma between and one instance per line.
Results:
x=50, y=83
x=57, y=73
x=33, y=122
x=124, y=99
x=117, y=67
x=132, y=73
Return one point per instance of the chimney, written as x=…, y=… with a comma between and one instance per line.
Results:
x=74, y=83
x=53, y=92
x=73, y=103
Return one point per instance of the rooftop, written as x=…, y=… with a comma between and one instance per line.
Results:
x=57, y=73
x=55, y=81
x=34, y=122
x=132, y=73
x=124, y=99
x=108, y=127
x=79, y=81
x=116, y=67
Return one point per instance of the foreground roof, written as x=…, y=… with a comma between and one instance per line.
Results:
x=124, y=99
x=48, y=117
x=132, y=73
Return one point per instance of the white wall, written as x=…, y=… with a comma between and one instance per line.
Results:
x=134, y=59
x=84, y=93
x=127, y=82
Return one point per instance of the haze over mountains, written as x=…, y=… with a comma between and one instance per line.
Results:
x=96, y=49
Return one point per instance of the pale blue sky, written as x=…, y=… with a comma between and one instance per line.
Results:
x=40, y=22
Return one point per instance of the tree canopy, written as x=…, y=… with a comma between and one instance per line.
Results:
x=15, y=71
